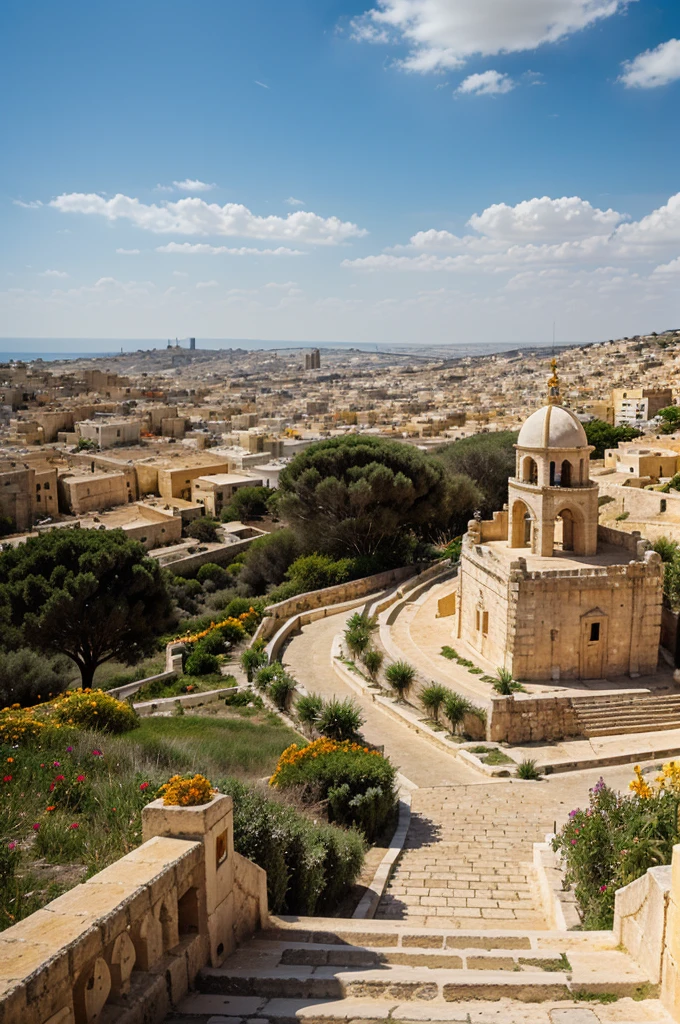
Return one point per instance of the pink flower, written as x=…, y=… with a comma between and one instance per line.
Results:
x=69, y=750
x=11, y=846
x=56, y=764
x=573, y=842
x=603, y=888
x=144, y=785
x=97, y=753
x=80, y=778
x=74, y=825
x=36, y=827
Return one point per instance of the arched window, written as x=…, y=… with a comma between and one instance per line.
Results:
x=552, y=474
x=566, y=474
x=530, y=473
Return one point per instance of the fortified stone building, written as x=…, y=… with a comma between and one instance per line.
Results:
x=544, y=591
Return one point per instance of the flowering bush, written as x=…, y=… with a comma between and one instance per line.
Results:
x=94, y=709
x=617, y=838
x=19, y=725
x=357, y=782
x=233, y=628
x=185, y=791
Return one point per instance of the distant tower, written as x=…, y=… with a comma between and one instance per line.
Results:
x=313, y=360
x=192, y=344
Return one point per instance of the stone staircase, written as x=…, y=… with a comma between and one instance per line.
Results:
x=328, y=971
x=612, y=715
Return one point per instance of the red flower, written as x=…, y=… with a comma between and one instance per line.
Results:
x=7, y=778
x=56, y=764
x=52, y=807
x=80, y=778
x=36, y=827
x=74, y=825
x=51, y=787
x=97, y=753
x=59, y=778
x=144, y=785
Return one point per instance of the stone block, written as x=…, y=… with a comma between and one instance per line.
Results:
x=221, y=931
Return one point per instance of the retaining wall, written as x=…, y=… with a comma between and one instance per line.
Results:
x=128, y=943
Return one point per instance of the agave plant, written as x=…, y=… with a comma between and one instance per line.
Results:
x=340, y=719
x=373, y=660
x=456, y=707
x=400, y=676
x=433, y=698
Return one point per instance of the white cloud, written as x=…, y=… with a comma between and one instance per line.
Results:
x=488, y=83
x=193, y=216
x=443, y=34
x=669, y=268
x=207, y=284
x=203, y=249
x=545, y=218
x=261, y=84
x=193, y=185
x=653, y=67
x=292, y=201
x=35, y=204
x=538, y=231
x=54, y=273
x=128, y=252
x=179, y=273
x=164, y=188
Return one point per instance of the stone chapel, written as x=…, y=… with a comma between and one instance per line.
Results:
x=542, y=589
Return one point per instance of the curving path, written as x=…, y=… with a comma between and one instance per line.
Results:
x=308, y=656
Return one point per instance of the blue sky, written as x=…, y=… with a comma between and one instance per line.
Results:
x=375, y=170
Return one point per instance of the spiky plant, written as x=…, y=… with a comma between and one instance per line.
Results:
x=373, y=660
x=400, y=676
x=433, y=698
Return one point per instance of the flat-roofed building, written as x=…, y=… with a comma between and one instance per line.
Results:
x=92, y=492
x=109, y=433
x=217, y=490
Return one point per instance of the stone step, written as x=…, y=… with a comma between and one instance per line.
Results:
x=613, y=730
x=205, y=1009
x=627, y=709
x=588, y=972
x=623, y=721
x=616, y=700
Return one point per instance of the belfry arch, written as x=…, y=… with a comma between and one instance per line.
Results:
x=522, y=526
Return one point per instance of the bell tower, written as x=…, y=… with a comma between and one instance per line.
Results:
x=552, y=502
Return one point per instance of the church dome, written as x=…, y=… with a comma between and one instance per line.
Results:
x=552, y=426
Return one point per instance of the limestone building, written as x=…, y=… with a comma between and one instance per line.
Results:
x=542, y=589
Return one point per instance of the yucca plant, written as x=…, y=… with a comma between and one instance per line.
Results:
x=280, y=690
x=372, y=660
x=252, y=658
x=340, y=719
x=400, y=676
x=433, y=698
x=528, y=769
x=309, y=708
x=505, y=685
x=668, y=549
x=456, y=707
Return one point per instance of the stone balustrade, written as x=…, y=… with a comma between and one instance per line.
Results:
x=127, y=944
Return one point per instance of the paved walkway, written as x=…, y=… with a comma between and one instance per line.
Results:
x=308, y=656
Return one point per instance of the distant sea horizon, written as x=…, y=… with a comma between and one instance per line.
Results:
x=58, y=349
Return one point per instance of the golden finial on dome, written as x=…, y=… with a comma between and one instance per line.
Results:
x=554, y=397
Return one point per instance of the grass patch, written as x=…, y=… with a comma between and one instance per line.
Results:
x=491, y=755
x=114, y=673
x=550, y=964
x=595, y=997
x=183, y=685
x=247, y=745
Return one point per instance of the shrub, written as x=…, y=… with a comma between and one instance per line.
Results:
x=358, y=633
x=309, y=866
x=280, y=689
x=340, y=719
x=373, y=660
x=27, y=677
x=213, y=643
x=203, y=529
x=314, y=572
x=616, y=839
x=668, y=549
x=19, y=726
x=456, y=707
x=232, y=632
x=400, y=676
x=243, y=699
x=432, y=698
x=358, y=783
x=308, y=708
x=527, y=769
x=505, y=684
x=251, y=660
x=95, y=709
x=201, y=662
x=186, y=791
x=215, y=573
x=266, y=676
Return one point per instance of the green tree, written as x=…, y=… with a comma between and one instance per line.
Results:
x=27, y=677
x=486, y=459
x=267, y=560
x=362, y=495
x=602, y=435
x=91, y=595
x=204, y=529
x=671, y=419
x=313, y=572
x=246, y=503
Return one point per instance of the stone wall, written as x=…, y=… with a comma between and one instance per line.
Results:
x=647, y=923
x=629, y=542
x=522, y=718
x=482, y=590
x=129, y=942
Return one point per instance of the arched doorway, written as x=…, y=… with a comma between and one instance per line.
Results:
x=569, y=531
x=522, y=526
x=530, y=471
